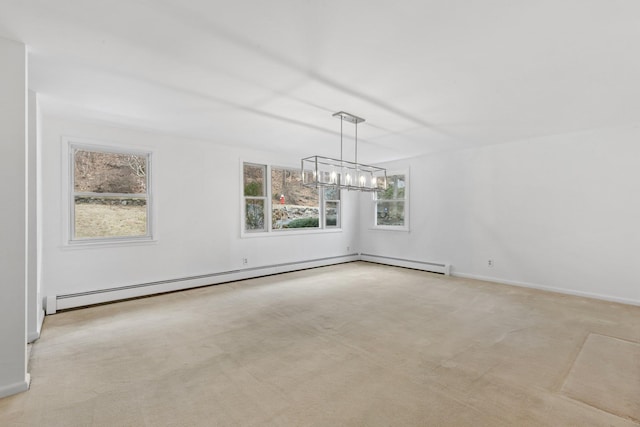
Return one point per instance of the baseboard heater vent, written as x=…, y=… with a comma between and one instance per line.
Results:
x=434, y=267
x=80, y=299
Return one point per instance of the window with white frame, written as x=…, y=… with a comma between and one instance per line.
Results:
x=255, y=197
x=391, y=203
x=293, y=206
x=331, y=207
x=110, y=195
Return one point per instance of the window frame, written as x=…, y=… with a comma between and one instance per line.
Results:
x=407, y=193
x=264, y=198
x=323, y=207
x=74, y=144
x=269, y=230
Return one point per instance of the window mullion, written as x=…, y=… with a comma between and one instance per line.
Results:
x=269, y=201
x=322, y=210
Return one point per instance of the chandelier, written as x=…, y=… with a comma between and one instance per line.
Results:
x=320, y=171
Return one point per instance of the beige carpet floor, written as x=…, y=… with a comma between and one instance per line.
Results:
x=356, y=344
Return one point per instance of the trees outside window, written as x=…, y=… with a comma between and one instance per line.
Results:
x=331, y=207
x=254, y=184
x=390, y=203
x=292, y=206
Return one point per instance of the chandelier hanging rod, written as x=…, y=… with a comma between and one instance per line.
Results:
x=344, y=116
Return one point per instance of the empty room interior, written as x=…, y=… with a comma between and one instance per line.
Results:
x=324, y=213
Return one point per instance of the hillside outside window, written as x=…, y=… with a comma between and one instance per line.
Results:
x=274, y=200
x=110, y=197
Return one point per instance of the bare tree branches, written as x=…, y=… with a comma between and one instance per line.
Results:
x=137, y=164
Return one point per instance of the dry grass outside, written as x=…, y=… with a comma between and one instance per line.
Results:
x=97, y=220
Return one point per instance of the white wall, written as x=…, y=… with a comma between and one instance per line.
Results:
x=561, y=213
x=35, y=315
x=557, y=213
x=13, y=290
x=196, y=190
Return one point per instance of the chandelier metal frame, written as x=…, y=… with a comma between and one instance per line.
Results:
x=321, y=171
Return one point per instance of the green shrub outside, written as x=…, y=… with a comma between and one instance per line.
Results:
x=303, y=223
x=253, y=189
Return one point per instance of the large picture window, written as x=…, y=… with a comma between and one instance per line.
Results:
x=292, y=206
x=110, y=198
x=391, y=203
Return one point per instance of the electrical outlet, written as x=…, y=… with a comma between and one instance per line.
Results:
x=490, y=263
x=348, y=248
x=245, y=261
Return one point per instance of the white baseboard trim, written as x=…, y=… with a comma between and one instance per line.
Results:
x=34, y=335
x=50, y=304
x=434, y=267
x=66, y=301
x=591, y=295
x=16, y=388
x=81, y=299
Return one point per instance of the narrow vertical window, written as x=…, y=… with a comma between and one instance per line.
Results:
x=110, y=194
x=390, y=203
x=254, y=181
x=331, y=207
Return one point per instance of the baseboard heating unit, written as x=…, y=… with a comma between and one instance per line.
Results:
x=80, y=299
x=434, y=267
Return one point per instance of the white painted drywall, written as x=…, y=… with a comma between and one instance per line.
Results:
x=35, y=314
x=13, y=290
x=196, y=191
x=560, y=212
x=556, y=213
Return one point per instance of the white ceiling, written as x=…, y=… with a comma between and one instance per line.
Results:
x=427, y=75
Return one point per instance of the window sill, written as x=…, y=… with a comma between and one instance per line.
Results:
x=273, y=233
x=390, y=228
x=94, y=244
